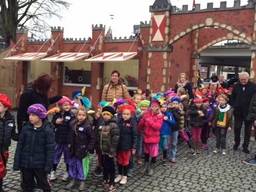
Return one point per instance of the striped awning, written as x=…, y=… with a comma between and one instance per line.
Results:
x=112, y=56
x=66, y=57
x=27, y=56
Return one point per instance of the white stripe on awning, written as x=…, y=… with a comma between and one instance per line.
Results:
x=66, y=57
x=26, y=56
x=112, y=56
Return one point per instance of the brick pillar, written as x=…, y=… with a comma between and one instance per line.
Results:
x=57, y=74
x=97, y=70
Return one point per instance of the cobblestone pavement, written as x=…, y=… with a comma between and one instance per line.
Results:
x=205, y=172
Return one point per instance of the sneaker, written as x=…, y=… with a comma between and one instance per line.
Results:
x=250, y=162
x=123, y=180
x=215, y=151
x=118, y=178
x=82, y=186
x=245, y=150
x=53, y=176
x=71, y=184
x=172, y=161
x=223, y=152
x=65, y=177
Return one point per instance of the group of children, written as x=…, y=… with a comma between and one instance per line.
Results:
x=120, y=132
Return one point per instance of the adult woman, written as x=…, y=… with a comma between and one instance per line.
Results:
x=36, y=93
x=182, y=82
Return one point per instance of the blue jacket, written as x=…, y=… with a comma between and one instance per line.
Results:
x=35, y=148
x=168, y=124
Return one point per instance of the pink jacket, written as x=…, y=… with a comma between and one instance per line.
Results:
x=150, y=124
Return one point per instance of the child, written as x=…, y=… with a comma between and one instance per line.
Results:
x=98, y=122
x=166, y=130
x=179, y=116
x=81, y=143
x=222, y=122
x=150, y=124
x=109, y=137
x=127, y=140
x=7, y=132
x=208, y=124
x=62, y=129
x=35, y=150
x=197, y=116
x=141, y=108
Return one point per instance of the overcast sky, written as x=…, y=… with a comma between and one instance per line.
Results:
x=77, y=20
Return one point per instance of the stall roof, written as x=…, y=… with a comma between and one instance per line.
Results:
x=27, y=56
x=66, y=57
x=112, y=56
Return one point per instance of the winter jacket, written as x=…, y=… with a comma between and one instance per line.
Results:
x=109, y=137
x=82, y=139
x=167, y=125
x=7, y=131
x=30, y=97
x=35, y=148
x=179, y=116
x=128, y=135
x=195, y=119
x=241, y=97
x=228, y=111
x=150, y=124
x=252, y=109
x=111, y=92
x=62, y=131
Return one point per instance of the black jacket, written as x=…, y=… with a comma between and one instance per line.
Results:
x=63, y=131
x=252, y=110
x=128, y=135
x=7, y=131
x=30, y=97
x=241, y=97
x=195, y=120
x=82, y=139
x=35, y=148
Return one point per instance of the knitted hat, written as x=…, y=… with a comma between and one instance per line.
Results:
x=131, y=108
x=65, y=100
x=176, y=99
x=144, y=103
x=103, y=104
x=39, y=110
x=86, y=102
x=108, y=109
x=4, y=99
x=155, y=102
x=119, y=102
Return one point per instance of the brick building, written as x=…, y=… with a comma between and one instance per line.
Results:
x=169, y=44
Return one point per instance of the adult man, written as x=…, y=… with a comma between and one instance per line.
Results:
x=241, y=97
x=115, y=89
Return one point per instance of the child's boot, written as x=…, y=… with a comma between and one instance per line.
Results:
x=145, y=168
x=71, y=184
x=150, y=169
x=82, y=186
x=118, y=178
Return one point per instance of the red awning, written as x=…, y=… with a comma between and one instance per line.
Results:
x=66, y=57
x=112, y=56
x=27, y=56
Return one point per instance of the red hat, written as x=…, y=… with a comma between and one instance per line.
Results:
x=4, y=99
x=65, y=99
x=205, y=100
x=131, y=108
x=198, y=100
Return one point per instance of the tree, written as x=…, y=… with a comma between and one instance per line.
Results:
x=27, y=14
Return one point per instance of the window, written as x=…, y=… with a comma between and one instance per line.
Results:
x=129, y=71
x=77, y=73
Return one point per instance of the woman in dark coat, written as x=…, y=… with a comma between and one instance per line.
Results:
x=37, y=93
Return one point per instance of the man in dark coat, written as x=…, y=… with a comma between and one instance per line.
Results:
x=240, y=101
